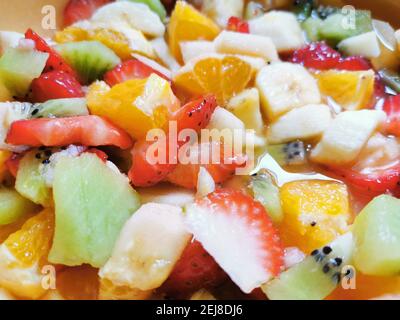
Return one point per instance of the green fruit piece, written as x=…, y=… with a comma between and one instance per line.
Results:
x=91, y=59
x=311, y=27
x=155, y=5
x=18, y=67
x=377, y=237
x=267, y=193
x=338, y=26
x=30, y=182
x=92, y=203
x=13, y=206
x=61, y=108
x=288, y=154
x=316, y=276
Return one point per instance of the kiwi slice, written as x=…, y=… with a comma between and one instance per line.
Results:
x=289, y=154
x=13, y=206
x=91, y=59
x=60, y=108
x=154, y=5
x=316, y=276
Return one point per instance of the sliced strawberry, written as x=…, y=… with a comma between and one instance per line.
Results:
x=392, y=109
x=237, y=232
x=131, y=69
x=354, y=64
x=238, y=25
x=55, y=61
x=317, y=55
x=55, y=85
x=77, y=10
x=195, y=270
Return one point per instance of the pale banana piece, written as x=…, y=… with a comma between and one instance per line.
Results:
x=150, y=244
x=282, y=27
x=166, y=194
x=285, y=86
x=366, y=44
x=153, y=64
x=303, y=123
x=221, y=10
x=224, y=119
x=9, y=39
x=163, y=53
x=137, y=15
x=193, y=49
x=345, y=138
x=246, y=44
x=205, y=183
x=202, y=294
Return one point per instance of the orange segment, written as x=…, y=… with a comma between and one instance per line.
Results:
x=315, y=213
x=109, y=291
x=188, y=24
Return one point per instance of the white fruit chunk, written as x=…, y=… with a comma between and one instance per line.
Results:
x=9, y=39
x=282, y=27
x=366, y=44
x=285, y=86
x=348, y=133
x=137, y=15
x=205, y=183
x=193, y=49
x=221, y=10
x=163, y=53
x=153, y=64
x=166, y=194
x=246, y=44
x=150, y=244
x=302, y=123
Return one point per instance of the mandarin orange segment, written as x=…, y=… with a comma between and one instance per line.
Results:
x=315, y=213
x=8, y=229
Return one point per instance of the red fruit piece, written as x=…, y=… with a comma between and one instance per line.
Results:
x=100, y=154
x=77, y=10
x=317, y=55
x=238, y=25
x=195, y=270
x=55, y=61
x=131, y=69
x=392, y=109
x=55, y=85
x=237, y=232
x=354, y=64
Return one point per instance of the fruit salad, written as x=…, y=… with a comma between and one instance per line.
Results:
x=201, y=150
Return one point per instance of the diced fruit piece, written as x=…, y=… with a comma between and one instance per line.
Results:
x=352, y=90
x=267, y=193
x=61, y=108
x=236, y=24
x=135, y=105
x=8, y=229
x=155, y=233
x=92, y=203
x=366, y=45
x=344, y=139
x=5, y=94
x=391, y=79
x=221, y=10
x=164, y=55
x=166, y=194
x=9, y=39
x=354, y=64
x=77, y=10
x=52, y=132
x=154, y=5
x=197, y=48
x=285, y=86
x=311, y=27
x=30, y=183
x=315, y=277
x=202, y=295
x=187, y=24
x=252, y=254
x=303, y=123
x=109, y=291
x=13, y=206
x=55, y=85
x=317, y=55
x=224, y=76
x=195, y=269
x=205, y=183
x=19, y=67
x=337, y=26
x=392, y=109
x=253, y=10
x=315, y=213
x=23, y=254
x=377, y=237
x=258, y=46
x=289, y=154
x=282, y=27
x=91, y=59
x=223, y=119
x=136, y=15
x=4, y=156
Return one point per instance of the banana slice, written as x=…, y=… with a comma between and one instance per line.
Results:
x=246, y=44
x=221, y=10
x=193, y=49
x=365, y=44
x=285, y=86
x=137, y=15
x=164, y=55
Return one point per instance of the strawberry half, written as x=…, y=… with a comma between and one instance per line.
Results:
x=238, y=25
x=237, y=232
x=77, y=10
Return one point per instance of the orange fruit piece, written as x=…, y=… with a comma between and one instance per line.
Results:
x=78, y=283
x=315, y=213
x=109, y=291
x=4, y=155
x=187, y=24
x=222, y=75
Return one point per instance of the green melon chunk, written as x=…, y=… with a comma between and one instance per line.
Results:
x=13, y=206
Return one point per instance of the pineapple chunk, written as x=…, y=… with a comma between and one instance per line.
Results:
x=366, y=44
x=148, y=247
x=302, y=123
x=282, y=27
x=193, y=49
x=221, y=10
x=255, y=45
x=345, y=138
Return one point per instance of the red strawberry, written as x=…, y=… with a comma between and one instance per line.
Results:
x=195, y=270
x=236, y=230
x=55, y=85
x=238, y=25
x=77, y=10
x=354, y=64
x=392, y=109
x=131, y=69
x=317, y=55
x=55, y=61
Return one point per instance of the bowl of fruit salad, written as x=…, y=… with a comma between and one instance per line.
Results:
x=202, y=150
